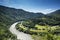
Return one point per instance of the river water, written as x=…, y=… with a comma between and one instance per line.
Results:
x=20, y=35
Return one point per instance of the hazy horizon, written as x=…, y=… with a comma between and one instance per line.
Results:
x=44, y=6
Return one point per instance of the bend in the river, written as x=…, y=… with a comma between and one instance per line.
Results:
x=20, y=35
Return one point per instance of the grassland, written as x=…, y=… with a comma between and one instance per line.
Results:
x=39, y=32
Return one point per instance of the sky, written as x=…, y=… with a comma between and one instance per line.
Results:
x=44, y=6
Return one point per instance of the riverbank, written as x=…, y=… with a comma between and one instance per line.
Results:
x=20, y=35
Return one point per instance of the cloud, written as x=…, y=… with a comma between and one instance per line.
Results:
x=46, y=11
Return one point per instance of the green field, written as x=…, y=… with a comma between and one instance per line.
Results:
x=39, y=32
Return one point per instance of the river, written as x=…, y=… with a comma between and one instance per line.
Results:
x=20, y=35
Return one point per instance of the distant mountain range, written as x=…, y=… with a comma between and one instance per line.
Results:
x=55, y=15
x=9, y=15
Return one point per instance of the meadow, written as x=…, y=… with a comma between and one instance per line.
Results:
x=40, y=32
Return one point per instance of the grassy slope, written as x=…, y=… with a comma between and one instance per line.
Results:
x=10, y=15
x=41, y=33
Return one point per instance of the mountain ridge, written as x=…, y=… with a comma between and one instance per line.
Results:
x=12, y=14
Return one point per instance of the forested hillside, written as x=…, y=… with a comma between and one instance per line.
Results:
x=10, y=15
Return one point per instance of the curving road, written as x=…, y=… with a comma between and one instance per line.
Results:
x=20, y=35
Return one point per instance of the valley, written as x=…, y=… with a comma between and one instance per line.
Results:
x=39, y=26
x=39, y=32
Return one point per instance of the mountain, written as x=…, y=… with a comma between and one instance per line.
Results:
x=10, y=15
x=55, y=15
x=51, y=19
x=19, y=13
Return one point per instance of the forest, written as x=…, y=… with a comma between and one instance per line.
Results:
x=31, y=25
